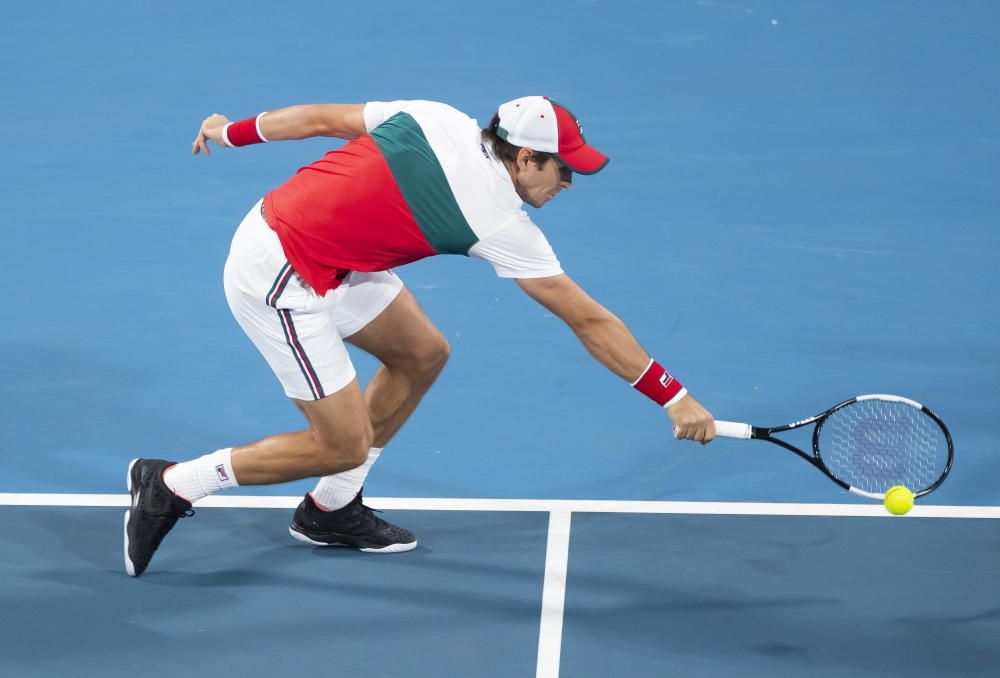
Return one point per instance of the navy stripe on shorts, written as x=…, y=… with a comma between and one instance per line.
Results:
x=291, y=336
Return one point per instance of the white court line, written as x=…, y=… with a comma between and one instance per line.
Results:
x=873, y=510
x=553, y=595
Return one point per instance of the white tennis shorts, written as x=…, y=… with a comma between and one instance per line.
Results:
x=300, y=333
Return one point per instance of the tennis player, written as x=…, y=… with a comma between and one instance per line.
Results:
x=310, y=268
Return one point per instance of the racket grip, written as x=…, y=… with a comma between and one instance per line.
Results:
x=732, y=429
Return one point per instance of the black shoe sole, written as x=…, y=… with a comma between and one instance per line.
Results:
x=352, y=543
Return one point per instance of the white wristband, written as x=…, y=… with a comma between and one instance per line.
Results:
x=225, y=135
x=257, y=124
x=680, y=394
x=648, y=365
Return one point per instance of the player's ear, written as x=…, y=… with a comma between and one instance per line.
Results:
x=524, y=157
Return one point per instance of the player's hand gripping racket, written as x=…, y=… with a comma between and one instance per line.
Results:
x=869, y=444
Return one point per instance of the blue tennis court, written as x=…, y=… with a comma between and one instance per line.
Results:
x=802, y=206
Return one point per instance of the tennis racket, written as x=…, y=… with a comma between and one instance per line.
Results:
x=869, y=444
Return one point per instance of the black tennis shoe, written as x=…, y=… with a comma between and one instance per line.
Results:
x=154, y=511
x=354, y=525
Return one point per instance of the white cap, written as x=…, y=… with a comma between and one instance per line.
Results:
x=541, y=124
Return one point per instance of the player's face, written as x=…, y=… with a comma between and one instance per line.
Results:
x=536, y=185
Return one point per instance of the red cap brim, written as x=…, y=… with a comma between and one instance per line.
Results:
x=584, y=160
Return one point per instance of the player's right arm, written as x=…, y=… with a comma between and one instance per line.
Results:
x=611, y=343
x=342, y=121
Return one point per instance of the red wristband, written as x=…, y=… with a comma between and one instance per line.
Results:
x=657, y=385
x=244, y=132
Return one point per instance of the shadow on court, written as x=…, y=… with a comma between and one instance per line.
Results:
x=230, y=579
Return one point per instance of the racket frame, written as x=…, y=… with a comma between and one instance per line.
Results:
x=747, y=431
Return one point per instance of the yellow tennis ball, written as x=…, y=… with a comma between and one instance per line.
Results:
x=898, y=500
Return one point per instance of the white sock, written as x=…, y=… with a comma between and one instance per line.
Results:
x=337, y=491
x=200, y=477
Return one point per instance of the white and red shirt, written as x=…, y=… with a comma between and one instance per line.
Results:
x=420, y=183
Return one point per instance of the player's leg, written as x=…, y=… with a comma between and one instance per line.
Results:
x=337, y=440
x=381, y=317
x=412, y=352
x=294, y=331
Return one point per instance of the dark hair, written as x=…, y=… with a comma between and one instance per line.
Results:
x=506, y=151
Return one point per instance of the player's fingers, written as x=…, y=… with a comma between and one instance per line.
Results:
x=710, y=431
x=686, y=432
x=698, y=433
x=689, y=432
x=706, y=429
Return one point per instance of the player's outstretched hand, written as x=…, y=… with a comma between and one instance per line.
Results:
x=691, y=420
x=211, y=128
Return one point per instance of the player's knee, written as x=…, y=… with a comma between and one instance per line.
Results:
x=437, y=355
x=349, y=450
x=431, y=355
x=423, y=360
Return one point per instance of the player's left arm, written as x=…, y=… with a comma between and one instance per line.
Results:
x=611, y=343
x=342, y=121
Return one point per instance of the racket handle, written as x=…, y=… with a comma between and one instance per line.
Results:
x=732, y=429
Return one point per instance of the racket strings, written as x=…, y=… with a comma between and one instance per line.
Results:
x=875, y=444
